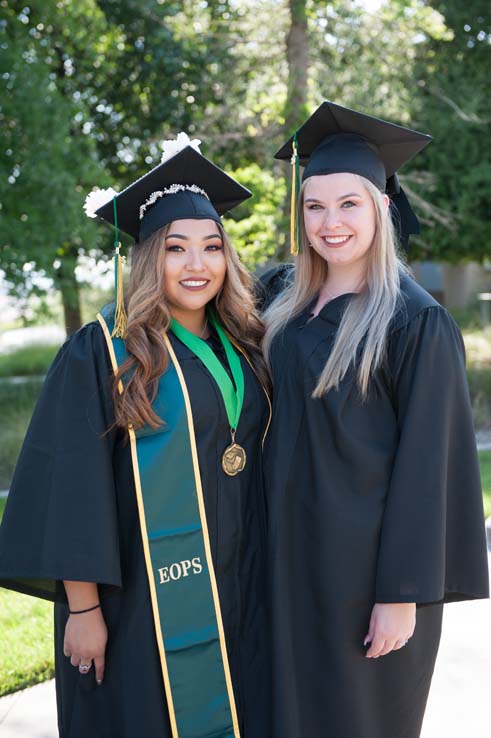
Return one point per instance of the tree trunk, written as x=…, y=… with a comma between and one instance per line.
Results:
x=70, y=295
x=297, y=55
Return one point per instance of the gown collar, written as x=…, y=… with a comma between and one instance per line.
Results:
x=332, y=312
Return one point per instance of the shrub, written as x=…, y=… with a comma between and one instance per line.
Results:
x=16, y=405
x=480, y=389
x=27, y=361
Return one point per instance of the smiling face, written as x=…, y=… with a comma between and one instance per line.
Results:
x=194, y=267
x=340, y=219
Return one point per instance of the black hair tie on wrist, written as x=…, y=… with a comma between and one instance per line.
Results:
x=80, y=612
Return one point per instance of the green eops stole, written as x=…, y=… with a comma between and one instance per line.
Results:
x=181, y=577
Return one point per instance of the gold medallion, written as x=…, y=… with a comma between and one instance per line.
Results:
x=233, y=459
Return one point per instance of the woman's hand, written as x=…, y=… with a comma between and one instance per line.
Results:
x=85, y=641
x=391, y=626
x=85, y=632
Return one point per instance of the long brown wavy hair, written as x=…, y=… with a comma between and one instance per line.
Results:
x=149, y=318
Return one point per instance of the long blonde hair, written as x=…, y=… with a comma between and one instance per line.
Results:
x=362, y=334
x=149, y=317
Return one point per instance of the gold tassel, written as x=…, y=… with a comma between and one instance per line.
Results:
x=120, y=317
x=294, y=247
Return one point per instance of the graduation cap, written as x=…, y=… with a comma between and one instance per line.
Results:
x=184, y=185
x=337, y=139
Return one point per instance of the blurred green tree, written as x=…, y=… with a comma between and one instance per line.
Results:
x=454, y=105
x=45, y=164
x=88, y=89
x=253, y=225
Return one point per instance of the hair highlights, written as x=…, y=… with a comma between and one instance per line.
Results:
x=362, y=334
x=149, y=318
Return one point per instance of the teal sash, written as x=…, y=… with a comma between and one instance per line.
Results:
x=186, y=609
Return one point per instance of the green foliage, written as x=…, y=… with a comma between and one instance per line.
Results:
x=89, y=88
x=26, y=641
x=480, y=390
x=48, y=160
x=365, y=60
x=478, y=356
x=424, y=65
x=45, y=168
x=26, y=638
x=485, y=463
x=454, y=105
x=27, y=361
x=16, y=405
x=93, y=300
x=478, y=347
x=469, y=317
x=252, y=228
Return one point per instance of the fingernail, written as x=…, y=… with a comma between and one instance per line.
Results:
x=99, y=682
x=367, y=640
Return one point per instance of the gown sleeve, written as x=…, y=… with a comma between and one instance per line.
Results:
x=433, y=543
x=60, y=521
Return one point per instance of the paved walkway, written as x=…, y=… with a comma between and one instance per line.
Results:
x=458, y=705
x=30, y=713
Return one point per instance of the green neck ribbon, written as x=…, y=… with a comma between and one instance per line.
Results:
x=233, y=397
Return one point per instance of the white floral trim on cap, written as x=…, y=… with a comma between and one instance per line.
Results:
x=170, y=191
x=173, y=146
x=96, y=200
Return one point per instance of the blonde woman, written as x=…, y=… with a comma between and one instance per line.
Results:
x=137, y=499
x=374, y=501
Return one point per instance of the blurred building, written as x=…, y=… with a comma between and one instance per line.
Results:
x=455, y=286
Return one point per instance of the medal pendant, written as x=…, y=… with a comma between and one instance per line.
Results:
x=234, y=458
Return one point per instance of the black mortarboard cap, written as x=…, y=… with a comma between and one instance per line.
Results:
x=337, y=139
x=186, y=168
x=184, y=185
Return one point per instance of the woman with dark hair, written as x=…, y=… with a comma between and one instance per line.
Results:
x=137, y=501
x=374, y=500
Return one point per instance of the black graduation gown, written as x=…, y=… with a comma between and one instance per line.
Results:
x=71, y=514
x=368, y=502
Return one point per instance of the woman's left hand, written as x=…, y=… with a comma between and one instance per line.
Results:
x=391, y=626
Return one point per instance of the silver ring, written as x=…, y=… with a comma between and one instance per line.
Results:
x=84, y=668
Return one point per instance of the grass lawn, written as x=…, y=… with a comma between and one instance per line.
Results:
x=26, y=639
